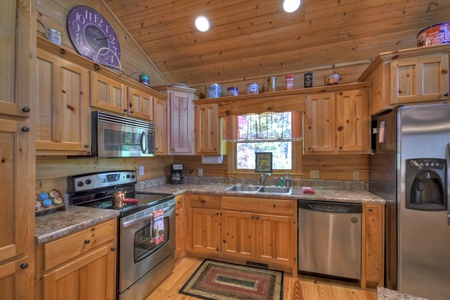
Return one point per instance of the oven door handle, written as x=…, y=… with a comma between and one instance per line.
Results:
x=144, y=142
x=138, y=217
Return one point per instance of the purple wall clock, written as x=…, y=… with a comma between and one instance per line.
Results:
x=90, y=32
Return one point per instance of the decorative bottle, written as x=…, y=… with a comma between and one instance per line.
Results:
x=287, y=181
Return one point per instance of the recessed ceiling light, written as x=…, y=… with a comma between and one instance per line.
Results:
x=291, y=5
x=202, y=23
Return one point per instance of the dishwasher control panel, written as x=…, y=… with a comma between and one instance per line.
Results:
x=331, y=207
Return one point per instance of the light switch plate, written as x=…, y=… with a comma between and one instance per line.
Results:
x=200, y=172
x=141, y=170
x=314, y=174
x=355, y=175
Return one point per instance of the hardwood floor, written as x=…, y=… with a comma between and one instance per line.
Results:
x=300, y=288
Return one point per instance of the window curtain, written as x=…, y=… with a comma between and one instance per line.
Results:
x=263, y=127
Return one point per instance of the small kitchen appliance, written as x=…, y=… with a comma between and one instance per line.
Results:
x=146, y=228
x=177, y=176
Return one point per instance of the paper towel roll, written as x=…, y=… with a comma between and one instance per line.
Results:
x=212, y=159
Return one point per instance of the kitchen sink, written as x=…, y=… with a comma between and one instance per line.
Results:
x=275, y=190
x=243, y=188
x=259, y=189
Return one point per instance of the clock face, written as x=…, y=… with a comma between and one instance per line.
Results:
x=92, y=36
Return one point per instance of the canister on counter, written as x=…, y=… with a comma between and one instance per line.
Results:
x=272, y=82
x=144, y=79
x=290, y=81
x=308, y=80
x=213, y=90
x=232, y=91
x=53, y=36
x=252, y=88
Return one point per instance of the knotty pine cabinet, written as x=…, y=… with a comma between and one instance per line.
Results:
x=373, y=245
x=203, y=224
x=207, y=129
x=160, y=120
x=259, y=230
x=79, y=266
x=179, y=227
x=62, y=106
x=337, y=122
x=17, y=149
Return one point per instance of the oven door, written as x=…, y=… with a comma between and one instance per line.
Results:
x=146, y=239
x=123, y=140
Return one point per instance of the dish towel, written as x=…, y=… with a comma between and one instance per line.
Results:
x=307, y=190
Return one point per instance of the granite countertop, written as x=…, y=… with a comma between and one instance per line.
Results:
x=387, y=294
x=64, y=222
x=327, y=194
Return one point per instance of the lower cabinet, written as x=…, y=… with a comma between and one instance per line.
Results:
x=78, y=266
x=203, y=222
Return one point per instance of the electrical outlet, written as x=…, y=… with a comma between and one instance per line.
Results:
x=200, y=172
x=314, y=174
x=141, y=170
x=355, y=175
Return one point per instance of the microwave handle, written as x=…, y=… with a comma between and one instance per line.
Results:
x=144, y=142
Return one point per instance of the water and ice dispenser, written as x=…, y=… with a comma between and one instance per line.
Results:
x=426, y=184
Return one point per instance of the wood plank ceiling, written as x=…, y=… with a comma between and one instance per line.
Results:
x=256, y=38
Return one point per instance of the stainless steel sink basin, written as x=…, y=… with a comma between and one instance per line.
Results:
x=243, y=188
x=275, y=190
x=259, y=189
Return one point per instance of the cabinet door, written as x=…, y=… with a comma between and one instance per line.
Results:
x=320, y=128
x=16, y=41
x=179, y=227
x=423, y=78
x=140, y=104
x=181, y=122
x=17, y=169
x=160, y=119
x=275, y=241
x=108, y=94
x=62, y=106
x=373, y=241
x=205, y=230
x=352, y=121
x=91, y=276
x=207, y=138
x=238, y=234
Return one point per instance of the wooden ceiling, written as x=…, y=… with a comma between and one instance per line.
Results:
x=256, y=38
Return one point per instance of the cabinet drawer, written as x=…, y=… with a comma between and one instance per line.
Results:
x=204, y=201
x=259, y=205
x=73, y=245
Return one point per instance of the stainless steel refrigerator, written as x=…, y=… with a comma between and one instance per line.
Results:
x=409, y=168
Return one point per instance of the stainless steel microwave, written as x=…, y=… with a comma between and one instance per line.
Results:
x=119, y=136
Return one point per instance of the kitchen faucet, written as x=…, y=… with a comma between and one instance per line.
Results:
x=262, y=177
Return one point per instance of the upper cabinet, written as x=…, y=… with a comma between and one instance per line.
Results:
x=207, y=129
x=180, y=120
x=337, y=122
x=62, y=106
x=108, y=94
x=410, y=76
x=140, y=104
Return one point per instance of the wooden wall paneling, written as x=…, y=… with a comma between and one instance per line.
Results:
x=194, y=162
x=53, y=172
x=53, y=14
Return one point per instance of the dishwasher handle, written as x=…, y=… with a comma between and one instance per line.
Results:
x=330, y=206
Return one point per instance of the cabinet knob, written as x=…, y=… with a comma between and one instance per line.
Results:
x=446, y=94
x=87, y=242
x=370, y=209
x=340, y=147
x=340, y=128
x=26, y=109
x=113, y=249
x=86, y=146
x=24, y=266
x=25, y=129
x=444, y=71
x=202, y=201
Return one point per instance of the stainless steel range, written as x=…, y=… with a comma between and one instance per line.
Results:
x=146, y=228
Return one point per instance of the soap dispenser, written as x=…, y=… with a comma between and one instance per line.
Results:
x=287, y=181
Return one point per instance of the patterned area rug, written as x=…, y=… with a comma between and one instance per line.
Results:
x=218, y=280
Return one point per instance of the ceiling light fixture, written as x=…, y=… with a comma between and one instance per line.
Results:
x=202, y=23
x=291, y=5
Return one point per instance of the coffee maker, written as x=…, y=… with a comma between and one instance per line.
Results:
x=176, y=177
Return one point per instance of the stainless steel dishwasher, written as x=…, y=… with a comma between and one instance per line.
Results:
x=329, y=238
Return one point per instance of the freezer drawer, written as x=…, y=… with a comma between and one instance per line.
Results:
x=329, y=238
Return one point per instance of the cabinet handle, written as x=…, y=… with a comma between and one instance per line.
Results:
x=87, y=242
x=25, y=129
x=24, y=266
x=113, y=249
x=26, y=109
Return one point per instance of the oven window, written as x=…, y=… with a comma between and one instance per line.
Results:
x=151, y=237
x=122, y=140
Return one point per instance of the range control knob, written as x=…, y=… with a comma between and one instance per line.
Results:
x=133, y=176
x=88, y=181
x=80, y=183
x=128, y=176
